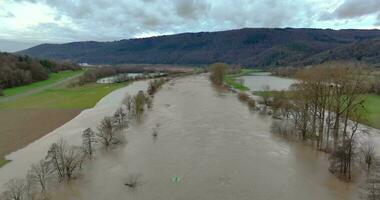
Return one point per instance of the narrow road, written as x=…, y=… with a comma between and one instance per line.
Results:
x=34, y=91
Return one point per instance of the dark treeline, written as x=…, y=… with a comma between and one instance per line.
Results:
x=16, y=70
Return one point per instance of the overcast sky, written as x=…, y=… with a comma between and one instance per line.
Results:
x=24, y=23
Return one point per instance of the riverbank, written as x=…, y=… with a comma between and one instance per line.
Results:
x=207, y=140
x=41, y=107
x=70, y=132
x=371, y=115
x=230, y=79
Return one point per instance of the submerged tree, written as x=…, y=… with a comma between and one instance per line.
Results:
x=139, y=102
x=88, y=138
x=368, y=153
x=120, y=117
x=39, y=175
x=371, y=186
x=107, y=133
x=218, y=72
x=326, y=106
x=66, y=160
x=127, y=101
x=15, y=190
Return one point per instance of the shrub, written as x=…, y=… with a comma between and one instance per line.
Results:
x=243, y=96
x=218, y=71
x=251, y=103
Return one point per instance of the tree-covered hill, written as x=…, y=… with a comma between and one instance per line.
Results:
x=248, y=47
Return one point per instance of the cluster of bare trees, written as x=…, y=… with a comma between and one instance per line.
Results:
x=325, y=107
x=155, y=85
x=64, y=162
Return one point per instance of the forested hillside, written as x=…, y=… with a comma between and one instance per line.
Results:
x=248, y=47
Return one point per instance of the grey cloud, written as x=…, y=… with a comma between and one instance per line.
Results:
x=119, y=19
x=191, y=8
x=350, y=9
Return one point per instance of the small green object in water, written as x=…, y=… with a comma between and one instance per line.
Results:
x=176, y=179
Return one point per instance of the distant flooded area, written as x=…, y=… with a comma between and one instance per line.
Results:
x=257, y=82
x=208, y=145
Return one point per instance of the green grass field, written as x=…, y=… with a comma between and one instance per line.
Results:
x=3, y=162
x=371, y=104
x=230, y=79
x=372, y=114
x=53, y=78
x=80, y=97
x=60, y=96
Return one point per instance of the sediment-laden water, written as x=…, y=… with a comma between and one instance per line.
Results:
x=209, y=146
x=70, y=132
x=257, y=81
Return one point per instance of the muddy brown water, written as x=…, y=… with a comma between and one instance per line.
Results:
x=209, y=146
x=71, y=131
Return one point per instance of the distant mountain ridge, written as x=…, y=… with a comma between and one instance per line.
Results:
x=248, y=47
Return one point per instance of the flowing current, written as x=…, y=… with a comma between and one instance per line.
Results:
x=209, y=146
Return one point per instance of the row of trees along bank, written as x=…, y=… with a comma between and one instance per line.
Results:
x=325, y=108
x=64, y=162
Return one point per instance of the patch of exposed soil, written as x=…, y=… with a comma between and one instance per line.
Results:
x=19, y=127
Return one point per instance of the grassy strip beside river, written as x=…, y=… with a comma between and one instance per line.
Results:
x=53, y=78
x=230, y=79
x=22, y=118
x=3, y=162
x=81, y=97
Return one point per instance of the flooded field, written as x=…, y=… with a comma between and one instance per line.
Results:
x=209, y=146
x=257, y=81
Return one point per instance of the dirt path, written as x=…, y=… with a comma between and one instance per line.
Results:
x=34, y=91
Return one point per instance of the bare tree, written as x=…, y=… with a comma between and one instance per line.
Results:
x=88, y=138
x=371, y=187
x=265, y=96
x=133, y=180
x=107, y=133
x=15, y=189
x=39, y=174
x=121, y=117
x=65, y=160
x=368, y=153
x=127, y=101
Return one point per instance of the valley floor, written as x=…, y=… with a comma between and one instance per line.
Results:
x=37, y=109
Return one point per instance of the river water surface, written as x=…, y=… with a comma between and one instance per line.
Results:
x=70, y=132
x=256, y=81
x=209, y=146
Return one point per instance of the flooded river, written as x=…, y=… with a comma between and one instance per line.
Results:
x=71, y=132
x=257, y=81
x=209, y=146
